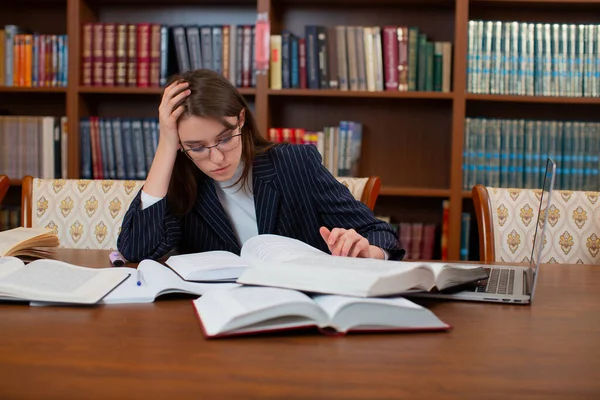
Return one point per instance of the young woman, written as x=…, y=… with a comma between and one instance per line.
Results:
x=215, y=182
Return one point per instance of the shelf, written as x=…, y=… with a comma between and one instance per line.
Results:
x=22, y=89
x=521, y=2
x=533, y=99
x=140, y=90
x=359, y=94
x=413, y=192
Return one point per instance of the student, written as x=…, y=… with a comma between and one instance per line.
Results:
x=215, y=182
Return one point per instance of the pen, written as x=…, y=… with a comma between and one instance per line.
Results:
x=139, y=277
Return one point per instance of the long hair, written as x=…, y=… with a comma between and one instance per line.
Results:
x=213, y=97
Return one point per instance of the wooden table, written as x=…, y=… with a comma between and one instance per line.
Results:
x=549, y=350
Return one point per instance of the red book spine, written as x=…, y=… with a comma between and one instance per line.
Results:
x=143, y=55
x=390, y=57
x=302, y=61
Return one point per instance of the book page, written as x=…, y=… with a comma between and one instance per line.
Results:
x=12, y=237
x=279, y=249
x=377, y=314
x=205, y=266
x=156, y=280
x=50, y=280
x=333, y=304
x=249, y=308
x=289, y=263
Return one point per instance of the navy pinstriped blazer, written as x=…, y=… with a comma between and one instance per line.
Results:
x=294, y=195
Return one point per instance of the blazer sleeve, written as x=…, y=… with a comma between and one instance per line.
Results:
x=339, y=209
x=148, y=233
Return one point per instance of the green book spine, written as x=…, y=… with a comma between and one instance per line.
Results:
x=413, y=57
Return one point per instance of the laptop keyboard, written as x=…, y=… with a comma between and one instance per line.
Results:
x=500, y=281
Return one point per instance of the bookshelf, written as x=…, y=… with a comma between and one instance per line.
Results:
x=413, y=140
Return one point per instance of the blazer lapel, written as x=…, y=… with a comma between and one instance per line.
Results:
x=266, y=195
x=211, y=209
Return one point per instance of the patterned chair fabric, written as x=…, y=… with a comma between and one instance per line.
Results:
x=572, y=232
x=86, y=214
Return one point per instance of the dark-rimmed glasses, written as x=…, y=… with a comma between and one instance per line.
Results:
x=224, y=145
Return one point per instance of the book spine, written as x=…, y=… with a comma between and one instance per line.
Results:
x=109, y=54
x=98, y=54
x=132, y=52
x=155, y=38
x=143, y=55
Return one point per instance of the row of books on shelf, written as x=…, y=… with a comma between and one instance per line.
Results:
x=117, y=148
x=418, y=239
x=31, y=59
x=540, y=59
x=360, y=58
x=513, y=153
x=34, y=146
x=339, y=146
x=10, y=217
x=145, y=54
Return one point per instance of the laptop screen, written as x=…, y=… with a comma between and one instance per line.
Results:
x=540, y=229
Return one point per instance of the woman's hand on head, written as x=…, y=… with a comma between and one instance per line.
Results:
x=168, y=113
x=349, y=243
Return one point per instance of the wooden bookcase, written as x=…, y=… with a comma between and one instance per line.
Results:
x=413, y=140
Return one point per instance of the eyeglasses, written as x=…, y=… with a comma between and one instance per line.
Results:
x=224, y=145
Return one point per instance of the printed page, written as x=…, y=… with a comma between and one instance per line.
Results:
x=210, y=265
x=51, y=280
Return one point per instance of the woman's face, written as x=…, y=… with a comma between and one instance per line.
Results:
x=214, y=148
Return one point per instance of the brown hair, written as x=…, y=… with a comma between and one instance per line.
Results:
x=212, y=96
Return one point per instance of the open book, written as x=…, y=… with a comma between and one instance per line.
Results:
x=155, y=280
x=22, y=242
x=289, y=263
x=252, y=309
x=56, y=281
x=210, y=266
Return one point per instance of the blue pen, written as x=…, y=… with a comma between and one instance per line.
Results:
x=139, y=277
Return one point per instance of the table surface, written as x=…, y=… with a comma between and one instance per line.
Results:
x=548, y=350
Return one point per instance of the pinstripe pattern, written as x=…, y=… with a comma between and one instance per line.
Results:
x=294, y=195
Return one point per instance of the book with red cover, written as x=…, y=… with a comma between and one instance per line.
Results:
x=250, y=310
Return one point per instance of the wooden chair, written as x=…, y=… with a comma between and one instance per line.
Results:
x=84, y=213
x=365, y=190
x=4, y=186
x=507, y=218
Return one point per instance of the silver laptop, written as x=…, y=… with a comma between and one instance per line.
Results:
x=509, y=284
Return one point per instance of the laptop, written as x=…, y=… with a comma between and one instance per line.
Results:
x=507, y=283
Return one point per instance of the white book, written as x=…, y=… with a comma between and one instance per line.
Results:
x=251, y=309
x=210, y=266
x=289, y=263
x=56, y=281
